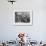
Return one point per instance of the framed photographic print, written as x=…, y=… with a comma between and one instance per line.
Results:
x=23, y=17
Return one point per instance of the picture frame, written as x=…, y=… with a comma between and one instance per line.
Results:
x=23, y=18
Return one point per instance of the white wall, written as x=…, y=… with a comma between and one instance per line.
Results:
x=8, y=30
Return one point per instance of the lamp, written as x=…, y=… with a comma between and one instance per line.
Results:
x=12, y=1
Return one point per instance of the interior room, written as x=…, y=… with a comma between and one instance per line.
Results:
x=9, y=30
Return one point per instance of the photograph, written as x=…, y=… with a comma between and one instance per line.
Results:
x=23, y=18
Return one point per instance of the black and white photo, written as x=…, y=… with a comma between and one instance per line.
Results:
x=23, y=18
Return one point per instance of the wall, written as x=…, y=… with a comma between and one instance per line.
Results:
x=9, y=31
